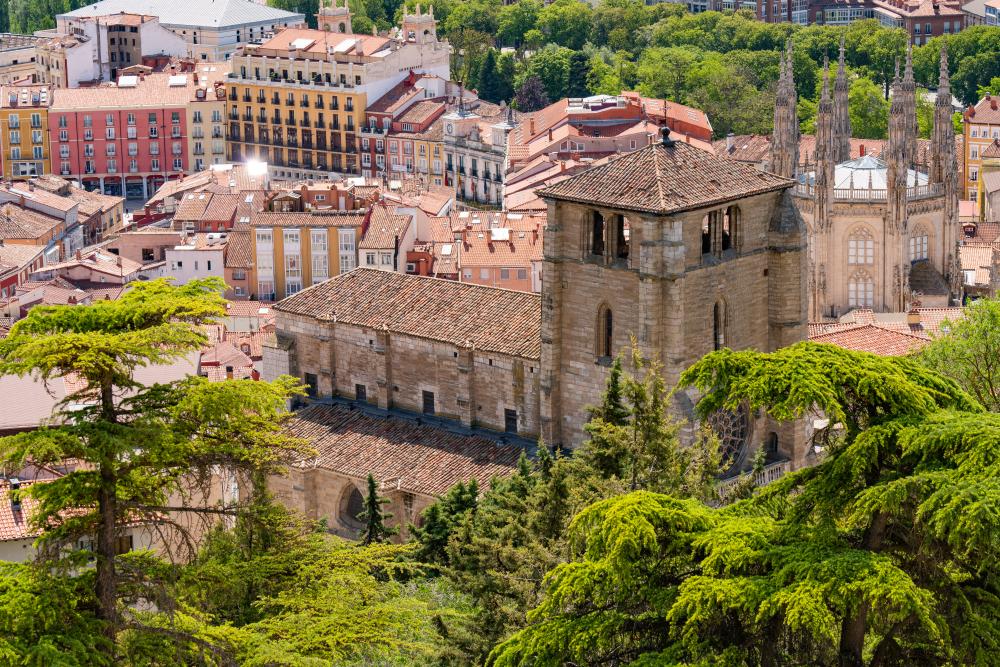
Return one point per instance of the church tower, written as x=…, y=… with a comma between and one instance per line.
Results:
x=331, y=17
x=902, y=139
x=822, y=190
x=419, y=27
x=944, y=171
x=783, y=157
x=841, y=117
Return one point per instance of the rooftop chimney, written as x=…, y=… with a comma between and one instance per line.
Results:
x=913, y=317
x=730, y=142
x=861, y=150
x=665, y=137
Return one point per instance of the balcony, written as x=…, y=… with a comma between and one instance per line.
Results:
x=290, y=121
x=292, y=142
x=289, y=102
x=304, y=104
x=232, y=96
x=275, y=100
x=276, y=120
x=246, y=97
x=304, y=123
x=248, y=117
x=319, y=125
x=307, y=144
x=319, y=104
x=234, y=116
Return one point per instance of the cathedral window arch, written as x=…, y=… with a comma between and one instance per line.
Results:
x=720, y=321
x=605, y=332
x=919, y=244
x=730, y=228
x=861, y=290
x=861, y=247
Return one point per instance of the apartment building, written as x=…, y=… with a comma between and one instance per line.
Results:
x=212, y=31
x=18, y=58
x=475, y=149
x=127, y=139
x=206, y=117
x=24, y=131
x=88, y=49
x=404, y=129
x=298, y=100
x=292, y=251
x=980, y=127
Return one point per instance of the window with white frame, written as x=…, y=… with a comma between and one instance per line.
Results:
x=348, y=254
x=320, y=256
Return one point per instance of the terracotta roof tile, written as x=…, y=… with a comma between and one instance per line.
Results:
x=987, y=110
x=397, y=452
x=384, y=227
x=991, y=151
x=310, y=219
x=239, y=250
x=23, y=223
x=873, y=338
x=494, y=320
x=665, y=179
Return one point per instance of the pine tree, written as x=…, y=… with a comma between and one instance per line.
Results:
x=490, y=85
x=579, y=70
x=374, y=517
x=139, y=446
x=441, y=519
x=881, y=554
x=531, y=95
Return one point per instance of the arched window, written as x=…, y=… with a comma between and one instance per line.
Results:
x=706, y=234
x=861, y=290
x=352, y=503
x=919, y=243
x=597, y=243
x=860, y=247
x=342, y=27
x=605, y=332
x=719, y=325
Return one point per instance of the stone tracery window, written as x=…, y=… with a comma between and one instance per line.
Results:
x=861, y=247
x=861, y=290
x=597, y=234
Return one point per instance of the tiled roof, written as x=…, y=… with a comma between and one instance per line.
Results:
x=665, y=179
x=499, y=248
x=399, y=453
x=239, y=250
x=756, y=147
x=494, y=320
x=975, y=255
x=930, y=320
x=43, y=197
x=991, y=151
x=23, y=223
x=925, y=279
x=97, y=260
x=384, y=227
x=310, y=219
x=152, y=91
x=987, y=110
x=16, y=256
x=421, y=111
x=249, y=309
x=986, y=232
x=222, y=206
x=873, y=338
x=15, y=524
x=396, y=97
x=195, y=13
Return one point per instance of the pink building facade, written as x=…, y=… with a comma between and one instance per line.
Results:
x=126, y=153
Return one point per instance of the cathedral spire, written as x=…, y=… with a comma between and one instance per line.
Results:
x=823, y=176
x=944, y=174
x=909, y=88
x=784, y=152
x=841, y=117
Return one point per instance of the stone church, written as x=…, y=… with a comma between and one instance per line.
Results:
x=882, y=234
x=683, y=250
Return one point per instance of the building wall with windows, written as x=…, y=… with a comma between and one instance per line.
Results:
x=24, y=131
x=207, y=118
x=18, y=58
x=298, y=100
x=293, y=251
x=981, y=126
x=443, y=360
x=130, y=138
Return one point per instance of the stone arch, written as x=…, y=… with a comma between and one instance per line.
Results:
x=350, y=505
x=342, y=27
x=604, y=332
x=720, y=324
x=861, y=246
x=861, y=290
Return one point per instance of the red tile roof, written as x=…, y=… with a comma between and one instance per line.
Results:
x=987, y=110
x=494, y=320
x=399, y=453
x=991, y=151
x=873, y=338
x=663, y=179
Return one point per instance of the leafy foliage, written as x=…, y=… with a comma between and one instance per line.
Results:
x=883, y=553
x=374, y=517
x=968, y=352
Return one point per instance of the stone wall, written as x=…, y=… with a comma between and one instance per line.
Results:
x=664, y=295
x=472, y=387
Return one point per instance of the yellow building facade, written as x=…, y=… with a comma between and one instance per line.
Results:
x=24, y=131
x=292, y=251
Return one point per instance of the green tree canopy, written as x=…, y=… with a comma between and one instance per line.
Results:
x=882, y=553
